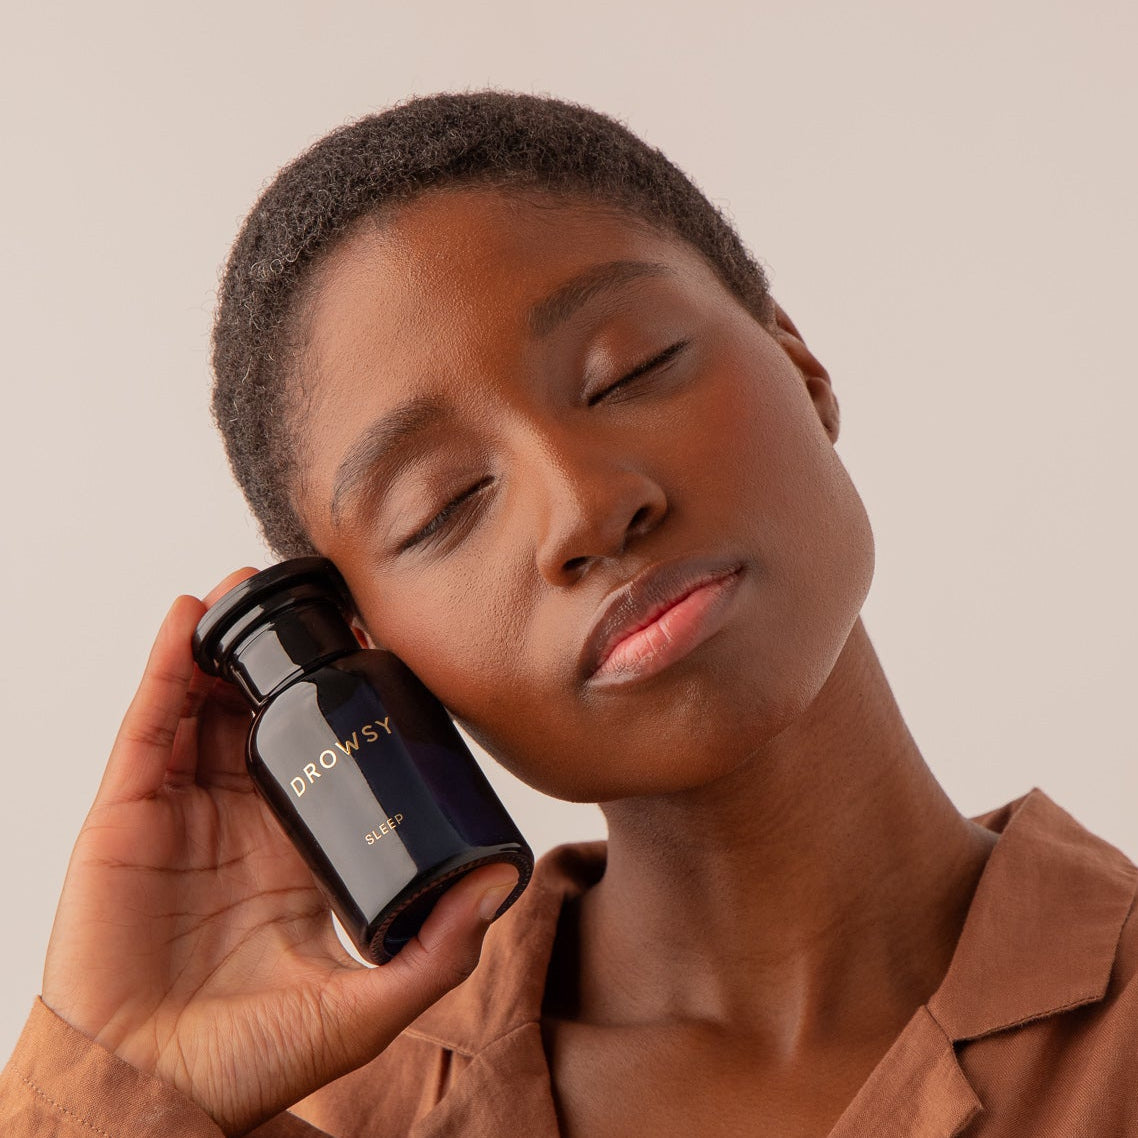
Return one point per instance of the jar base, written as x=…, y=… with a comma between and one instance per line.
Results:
x=402, y=919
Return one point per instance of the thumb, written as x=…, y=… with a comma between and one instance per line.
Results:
x=449, y=944
x=446, y=950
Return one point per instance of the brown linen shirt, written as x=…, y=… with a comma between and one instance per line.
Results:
x=1033, y=1031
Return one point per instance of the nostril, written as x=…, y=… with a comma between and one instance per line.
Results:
x=639, y=518
x=575, y=563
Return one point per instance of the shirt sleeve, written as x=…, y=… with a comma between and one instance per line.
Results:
x=59, y=1083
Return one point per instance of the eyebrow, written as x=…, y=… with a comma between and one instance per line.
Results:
x=378, y=444
x=560, y=305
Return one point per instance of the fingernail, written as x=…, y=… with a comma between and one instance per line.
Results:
x=489, y=902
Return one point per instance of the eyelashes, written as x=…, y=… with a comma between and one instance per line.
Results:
x=440, y=520
x=460, y=503
x=657, y=361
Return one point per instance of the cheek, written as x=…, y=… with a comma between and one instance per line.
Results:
x=461, y=636
x=809, y=529
x=767, y=450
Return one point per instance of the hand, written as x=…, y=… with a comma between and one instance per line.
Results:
x=191, y=939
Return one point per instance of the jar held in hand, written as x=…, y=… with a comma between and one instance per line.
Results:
x=357, y=760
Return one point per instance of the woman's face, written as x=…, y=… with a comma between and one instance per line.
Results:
x=515, y=406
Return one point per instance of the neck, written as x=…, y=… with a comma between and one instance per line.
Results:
x=819, y=888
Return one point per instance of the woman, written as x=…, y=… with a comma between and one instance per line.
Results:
x=507, y=367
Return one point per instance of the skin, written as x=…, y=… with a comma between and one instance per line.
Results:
x=764, y=786
x=190, y=936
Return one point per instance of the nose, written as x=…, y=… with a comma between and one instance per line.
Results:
x=595, y=502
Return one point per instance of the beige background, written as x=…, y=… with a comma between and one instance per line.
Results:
x=945, y=196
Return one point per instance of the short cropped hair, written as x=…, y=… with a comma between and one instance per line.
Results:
x=493, y=139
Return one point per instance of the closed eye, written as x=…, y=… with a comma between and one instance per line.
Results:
x=648, y=366
x=443, y=517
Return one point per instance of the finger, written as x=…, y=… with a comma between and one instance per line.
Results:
x=185, y=759
x=215, y=739
x=205, y=691
x=144, y=744
x=231, y=581
x=371, y=1006
x=203, y=685
x=222, y=735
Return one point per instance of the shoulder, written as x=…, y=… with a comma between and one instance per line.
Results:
x=1042, y=999
x=1122, y=991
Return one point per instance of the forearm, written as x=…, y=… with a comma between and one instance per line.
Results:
x=59, y=1082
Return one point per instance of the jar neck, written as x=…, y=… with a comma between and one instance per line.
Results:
x=293, y=641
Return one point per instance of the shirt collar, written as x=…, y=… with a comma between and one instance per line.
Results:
x=507, y=988
x=1044, y=924
x=1040, y=936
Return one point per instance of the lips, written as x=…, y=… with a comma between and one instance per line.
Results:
x=643, y=600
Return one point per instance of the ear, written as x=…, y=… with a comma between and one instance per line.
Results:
x=817, y=378
x=362, y=635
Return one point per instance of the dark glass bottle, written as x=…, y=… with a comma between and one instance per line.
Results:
x=359, y=762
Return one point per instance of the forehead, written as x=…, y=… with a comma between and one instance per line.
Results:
x=466, y=265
